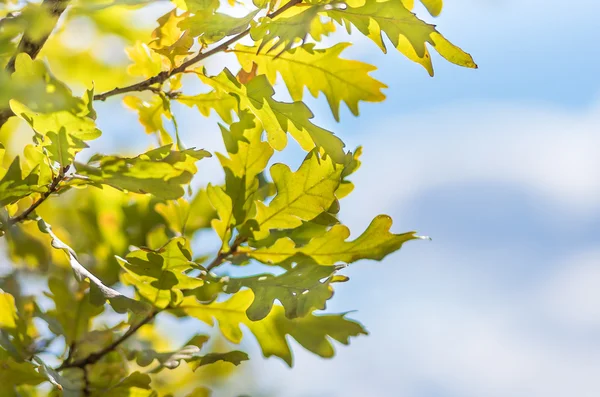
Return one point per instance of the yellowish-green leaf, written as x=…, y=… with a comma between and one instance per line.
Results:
x=73, y=311
x=375, y=243
x=99, y=293
x=219, y=101
x=146, y=63
x=235, y=357
x=211, y=27
x=63, y=147
x=13, y=186
x=151, y=114
x=276, y=117
x=160, y=172
x=313, y=332
x=135, y=385
x=159, y=275
x=169, y=40
x=248, y=157
x=294, y=25
x=406, y=32
x=319, y=70
x=300, y=290
x=79, y=126
x=301, y=196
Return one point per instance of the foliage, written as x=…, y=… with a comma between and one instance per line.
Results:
x=103, y=247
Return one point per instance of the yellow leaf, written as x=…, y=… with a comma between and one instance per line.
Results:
x=312, y=331
x=301, y=196
x=407, y=33
x=276, y=117
x=375, y=243
x=320, y=70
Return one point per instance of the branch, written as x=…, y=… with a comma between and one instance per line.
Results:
x=95, y=357
x=165, y=75
x=224, y=254
x=53, y=188
x=33, y=47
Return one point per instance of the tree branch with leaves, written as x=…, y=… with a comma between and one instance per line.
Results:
x=112, y=239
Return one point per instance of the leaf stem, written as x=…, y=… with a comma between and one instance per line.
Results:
x=95, y=357
x=52, y=188
x=165, y=75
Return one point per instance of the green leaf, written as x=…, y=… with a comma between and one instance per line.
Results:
x=13, y=186
x=407, y=33
x=186, y=217
x=234, y=357
x=319, y=70
x=79, y=126
x=221, y=102
x=73, y=310
x=313, y=332
x=300, y=290
x=375, y=243
x=13, y=373
x=210, y=27
x=34, y=85
x=292, y=26
x=158, y=276
x=169, y=360
x=276, y=117
x=99, y=293
x=63, y=147
x=301, y=196
x=60, y=382
x=247, y=158
x=137, y=384
x=160, y=172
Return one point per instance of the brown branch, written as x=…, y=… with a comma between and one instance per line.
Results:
x=95, y=357
x=165, y=75
x=52, y=188
x=225, y=254
x=31, y=46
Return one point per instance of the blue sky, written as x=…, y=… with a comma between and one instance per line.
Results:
x=501, y=167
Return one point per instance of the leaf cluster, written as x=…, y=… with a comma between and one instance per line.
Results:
x=110, y=245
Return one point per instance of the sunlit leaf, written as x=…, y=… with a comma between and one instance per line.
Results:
x=319, y=71
x=312, y=331
x=276, y=117
x=300, y=290
x=159, y=276
x=160, y=172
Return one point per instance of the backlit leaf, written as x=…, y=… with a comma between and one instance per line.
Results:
x=301, y=195
x=159, y=276
x=375, y=243
x=319, y=71
x=312, y=331
x=300, y=290
x=406, y=32
x=160, y=172
x=276, y=117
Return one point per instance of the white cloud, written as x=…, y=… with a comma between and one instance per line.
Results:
x=548, y=152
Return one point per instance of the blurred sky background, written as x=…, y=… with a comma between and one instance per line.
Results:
x=501, y=167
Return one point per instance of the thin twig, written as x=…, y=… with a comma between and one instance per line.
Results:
x=220, y=258
x=53, y=188
x=165, y=75
x=95, y=357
